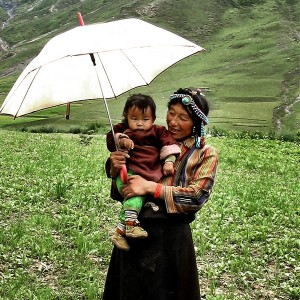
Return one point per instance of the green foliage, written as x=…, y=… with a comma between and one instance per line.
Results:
x=61, y=189
x=250, y=2
x=247, y=236
x=86, y=139
x=51, y=209
x=256, y=135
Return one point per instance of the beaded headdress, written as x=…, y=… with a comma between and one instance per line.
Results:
x=191, y=106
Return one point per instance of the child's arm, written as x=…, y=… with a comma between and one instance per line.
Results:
x=168, y=167
x=124, y=142
x=110, y=140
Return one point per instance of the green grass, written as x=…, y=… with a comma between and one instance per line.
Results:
x=56, y=218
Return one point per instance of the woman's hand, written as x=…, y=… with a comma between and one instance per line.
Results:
x=138, y=186
x=117, y=159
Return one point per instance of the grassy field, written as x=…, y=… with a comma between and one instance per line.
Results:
x=56, y=218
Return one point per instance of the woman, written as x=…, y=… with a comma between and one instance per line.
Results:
x=163, y=266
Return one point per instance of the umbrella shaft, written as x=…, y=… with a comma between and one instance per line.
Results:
x=110, y=122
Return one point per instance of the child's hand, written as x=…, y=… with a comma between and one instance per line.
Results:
x=127, y=143
x=168, y=168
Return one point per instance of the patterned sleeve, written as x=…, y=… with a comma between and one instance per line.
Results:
x=200, y=172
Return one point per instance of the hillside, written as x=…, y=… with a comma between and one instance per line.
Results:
x=251, y=64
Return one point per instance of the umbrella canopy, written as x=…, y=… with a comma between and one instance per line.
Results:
x=95, y=61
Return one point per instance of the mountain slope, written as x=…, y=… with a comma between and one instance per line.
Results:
x=251, y=64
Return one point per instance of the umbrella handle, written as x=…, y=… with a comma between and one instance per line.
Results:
x=123, y=174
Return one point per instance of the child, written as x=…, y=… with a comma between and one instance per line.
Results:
x=152, y=151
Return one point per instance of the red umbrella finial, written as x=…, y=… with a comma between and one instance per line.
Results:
x=80, y=19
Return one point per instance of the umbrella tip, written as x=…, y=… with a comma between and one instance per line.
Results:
x=80, y=19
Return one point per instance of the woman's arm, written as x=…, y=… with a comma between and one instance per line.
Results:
x=138, y=186
x=198, y=181
x=201, y=173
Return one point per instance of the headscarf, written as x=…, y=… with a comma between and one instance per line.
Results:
x=196, y=105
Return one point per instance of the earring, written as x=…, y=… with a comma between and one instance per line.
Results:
x=202, y=142
x=199, y=140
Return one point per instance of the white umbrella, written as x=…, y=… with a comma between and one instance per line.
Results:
x=95, y=61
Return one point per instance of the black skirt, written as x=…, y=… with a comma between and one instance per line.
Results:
x=160, y=267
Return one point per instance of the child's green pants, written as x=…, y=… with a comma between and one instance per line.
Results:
x=135, y=203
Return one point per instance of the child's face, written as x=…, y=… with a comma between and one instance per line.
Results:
x=138, y=120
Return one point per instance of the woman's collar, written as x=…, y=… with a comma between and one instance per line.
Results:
x=189, y=142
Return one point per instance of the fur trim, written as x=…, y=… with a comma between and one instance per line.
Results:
x=169, y=150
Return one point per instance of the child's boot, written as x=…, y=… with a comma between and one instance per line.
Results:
x=119, y=240
x=133, y=228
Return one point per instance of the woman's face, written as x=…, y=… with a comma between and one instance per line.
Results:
x=179, y=122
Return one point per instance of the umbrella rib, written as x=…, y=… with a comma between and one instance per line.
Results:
x=134, y=66
x=27, y=92
x=106, y=76
x=103, y=96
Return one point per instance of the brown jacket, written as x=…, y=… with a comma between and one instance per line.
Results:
x=151, y=148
